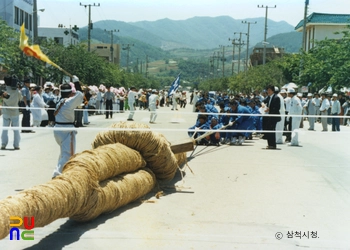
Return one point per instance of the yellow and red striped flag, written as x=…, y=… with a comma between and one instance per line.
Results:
x=33, y=50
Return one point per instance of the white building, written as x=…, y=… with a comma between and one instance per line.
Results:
x=64, y=36
x=320, y=26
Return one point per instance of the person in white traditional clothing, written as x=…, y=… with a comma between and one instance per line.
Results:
x=153, y=101
x=325, y=105
x=131, y=100
x=174, y=98
x=295, y=111
x=64, y=115
x=38, y=107
x=10, y=115
x=195, y=100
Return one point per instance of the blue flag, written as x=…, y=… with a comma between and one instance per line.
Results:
x=174, y=86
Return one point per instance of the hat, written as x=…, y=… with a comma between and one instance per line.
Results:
x=283, y=91
x=309, y=94
x=48, y=84
x=335, y=95
x=75, y=79
x=291, y=90
x=154, y=91
x=277, y=89
x=299, y=95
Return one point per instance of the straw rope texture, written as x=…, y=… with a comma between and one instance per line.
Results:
x=122, y=167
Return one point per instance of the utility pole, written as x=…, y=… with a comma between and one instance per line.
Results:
x=128, y=46
x=233, y=52
x=35, y=21
x=223, y=60
x=304, y=24
x=217, y=63
x=247, y=52
x=112, y=48
x=146, y=66
x=265, y=33
x=239, y=49
x=89, y=21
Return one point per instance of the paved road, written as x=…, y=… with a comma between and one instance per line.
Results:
x=238, y=197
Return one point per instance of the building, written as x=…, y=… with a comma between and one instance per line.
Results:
x=320, y=26
x=62, y=35
x=256, y=58
x=103, y=50
x=17, y=12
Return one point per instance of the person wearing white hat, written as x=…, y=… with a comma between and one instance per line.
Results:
x=325, y=105
x=310, y=107
x=64, y=116
x=295, y=111
x=153, y=102
x=335, y=111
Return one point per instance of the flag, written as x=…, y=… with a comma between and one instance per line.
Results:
x=174, y=86
x=33, y=50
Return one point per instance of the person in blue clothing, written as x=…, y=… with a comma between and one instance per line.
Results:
x=239, y=122
x=201, y=124
x=257, y=125
x=224, y=119
x=209, y=109
x=214, y=138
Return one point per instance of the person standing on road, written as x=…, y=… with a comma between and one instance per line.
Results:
x=323, y=109
x=131, y=101
x=273, y=104
x=10, y=116
x=296, y=110
x=64, y=115
x=25, y=104
x=153, y=102
x=38, y=112
x=109, y=99
x=335, y=111
x=280, y=124
x=310, y=107
x=195, y=100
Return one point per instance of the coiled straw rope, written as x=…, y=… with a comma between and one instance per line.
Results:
x=97, y=181
x=153, y=147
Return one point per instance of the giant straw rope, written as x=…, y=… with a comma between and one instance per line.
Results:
x=122, y=167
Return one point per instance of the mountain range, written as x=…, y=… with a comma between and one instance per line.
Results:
x=196, y=32
x=156, y=38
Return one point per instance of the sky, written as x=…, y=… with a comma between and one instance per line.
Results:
x=70, y=12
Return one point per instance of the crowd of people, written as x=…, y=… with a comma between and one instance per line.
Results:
x=222, y=118
x=271, y=114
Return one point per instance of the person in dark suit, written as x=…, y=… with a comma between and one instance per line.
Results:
x=273, y=104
